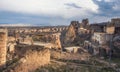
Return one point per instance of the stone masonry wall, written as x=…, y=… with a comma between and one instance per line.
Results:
x=3, y=42
x=30, y=58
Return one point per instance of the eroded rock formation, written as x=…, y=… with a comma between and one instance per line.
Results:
x=71, y=32
x=77, y=32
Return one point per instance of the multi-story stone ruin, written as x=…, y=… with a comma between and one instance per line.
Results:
x=77, y=32
x=98, y=36
x=3, y=49
x=104, y=36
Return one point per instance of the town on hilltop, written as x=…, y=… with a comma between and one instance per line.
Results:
x=79, y=47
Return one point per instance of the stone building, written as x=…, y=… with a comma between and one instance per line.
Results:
x=77, y=32
x=110, y=28
x=84, y=27
x=104, y=33
x=3, y=50
x=98, y=27
x=116, y=22
x=101, y=38
x=56, y=41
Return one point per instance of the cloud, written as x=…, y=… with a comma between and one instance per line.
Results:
x=112, y=4
x=108, y=0
x=62, y=8
x=105, y=0
x=98, y=0
x=72, y=5
x=98, y=19
x=57, y=12
x=108, y=8
x=116, y=6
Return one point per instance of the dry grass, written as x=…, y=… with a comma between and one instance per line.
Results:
x=69, y=56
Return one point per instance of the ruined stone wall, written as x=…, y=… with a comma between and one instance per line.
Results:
x=56, y=40
x=97, y=27
x=29, y=30
x=31, y=57
x=3, y=50
x=115, y=20
x=110, y=30
x=52, y=38
x=33, y=60
x=101, y=38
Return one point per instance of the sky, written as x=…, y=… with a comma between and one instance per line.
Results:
x=57, y=12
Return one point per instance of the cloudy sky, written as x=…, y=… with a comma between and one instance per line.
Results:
x=57, y=12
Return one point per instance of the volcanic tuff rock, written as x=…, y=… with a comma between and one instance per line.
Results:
x=71, y=33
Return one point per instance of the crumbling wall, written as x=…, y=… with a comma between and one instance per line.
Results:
x=110, y=28
x=30, y=59
x=56, y=41
x=3, y=49
x=53, y=39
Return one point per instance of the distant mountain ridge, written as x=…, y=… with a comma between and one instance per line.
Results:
x=29, y=25
x=21, y=24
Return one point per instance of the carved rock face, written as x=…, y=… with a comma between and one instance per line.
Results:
x=70, y=34
x=75, y=33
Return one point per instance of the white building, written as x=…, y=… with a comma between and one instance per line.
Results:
x=101, y=38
